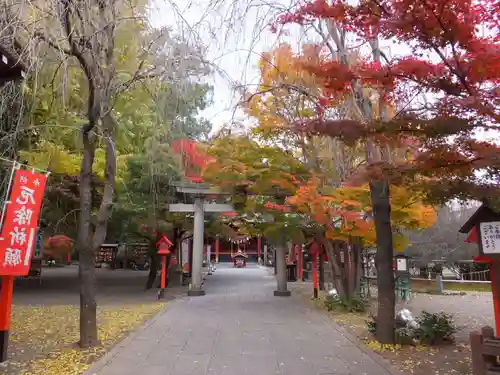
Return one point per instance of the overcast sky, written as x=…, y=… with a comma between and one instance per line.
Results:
x=235, y=33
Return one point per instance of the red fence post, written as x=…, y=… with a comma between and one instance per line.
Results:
x=5, y=310
x=495, y=280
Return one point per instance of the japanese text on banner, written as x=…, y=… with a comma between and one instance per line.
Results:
x=18, y=235
x=490, y=237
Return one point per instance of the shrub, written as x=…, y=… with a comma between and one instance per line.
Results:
x=432, y=329
x=371, y=325
x=435, y=328
x=354, y=304
x=404, y=336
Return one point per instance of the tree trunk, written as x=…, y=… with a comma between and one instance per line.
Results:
x=379, y=191
x=155, y=262
x=86, y=245
x=86, y=269
x=106, y=206
x=331, y=249
x=153, y=271
x=353, y=265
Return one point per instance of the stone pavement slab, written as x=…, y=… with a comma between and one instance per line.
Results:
x=239, y=327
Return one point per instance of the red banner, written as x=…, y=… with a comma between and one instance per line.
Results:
x=18, y=236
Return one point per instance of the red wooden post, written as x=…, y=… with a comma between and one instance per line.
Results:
x=314, y=251
x=299, y=264
x=163, y=249
x=163, y=271
x=495, y=290
x=5, y=309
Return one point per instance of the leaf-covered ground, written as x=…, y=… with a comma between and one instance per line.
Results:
x=471, y=312
x=45, y=319
x=43, y=337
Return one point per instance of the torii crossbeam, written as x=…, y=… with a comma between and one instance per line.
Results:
x=200, y=192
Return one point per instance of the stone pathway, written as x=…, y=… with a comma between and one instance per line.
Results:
x=239, y=327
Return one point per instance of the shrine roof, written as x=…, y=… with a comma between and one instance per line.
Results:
x=483, y=213
x=196, y=188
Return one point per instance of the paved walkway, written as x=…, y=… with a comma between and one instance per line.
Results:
x=239, y=327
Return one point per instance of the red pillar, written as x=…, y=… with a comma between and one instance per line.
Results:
x=259, y=244
x=495, y=290
x=294, y=253
x=217, y=244
x=163, y=271
x=299, y=264
x=5, y=310
x=315, y=274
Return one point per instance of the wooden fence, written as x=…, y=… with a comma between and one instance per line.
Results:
x=485, y=350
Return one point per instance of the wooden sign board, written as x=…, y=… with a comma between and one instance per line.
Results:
x=489, y=237
x=486, y=221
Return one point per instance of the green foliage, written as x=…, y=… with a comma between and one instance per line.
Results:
x=149, y=114
x=257, y=175
x=355, y=304
x=432, y=329
x=435, y=328
x=371, y=325
x=61, y=204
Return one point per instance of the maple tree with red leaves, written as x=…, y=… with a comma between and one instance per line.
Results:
x=446, y=88
x=193, y=158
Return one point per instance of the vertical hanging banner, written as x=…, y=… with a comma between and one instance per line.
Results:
x=18, y=236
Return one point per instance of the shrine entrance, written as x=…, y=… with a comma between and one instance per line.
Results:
x=202, y=199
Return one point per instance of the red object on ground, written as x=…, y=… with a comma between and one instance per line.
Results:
x=18, y=236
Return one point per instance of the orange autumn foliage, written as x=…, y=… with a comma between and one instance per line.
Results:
x=346, y=212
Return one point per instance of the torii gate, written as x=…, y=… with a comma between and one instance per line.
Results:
x=200, y=193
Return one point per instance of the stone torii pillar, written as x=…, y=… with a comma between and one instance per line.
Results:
x=200, y=192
